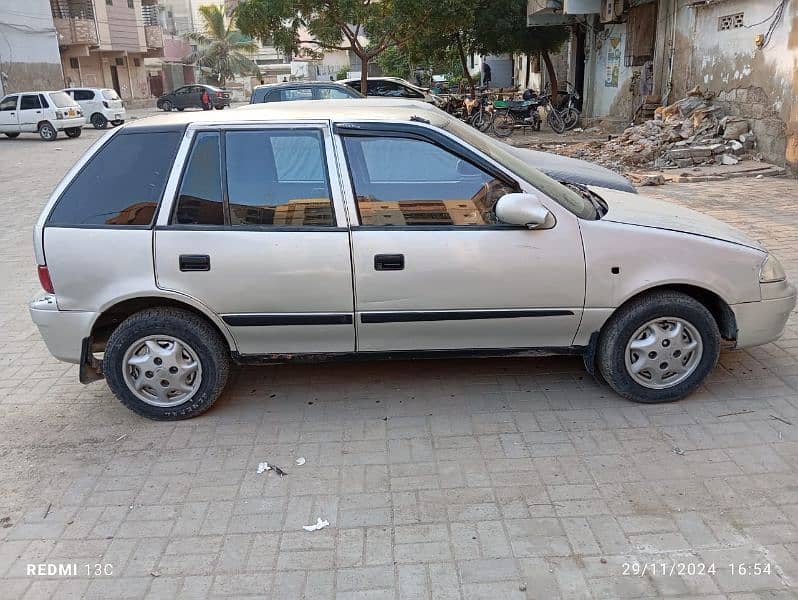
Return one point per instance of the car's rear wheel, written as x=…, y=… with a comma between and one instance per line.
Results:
x=98, y=121
x=166, y=105
x=47, y=132
x=166, y=364
x=659, y=347
x=73, y=132
x=118, y=122
x=219, y=107
x=13, y=135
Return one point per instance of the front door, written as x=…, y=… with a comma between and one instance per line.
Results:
x=434, y=270
x=115, y=79
x=9, y=122
x=258, y=235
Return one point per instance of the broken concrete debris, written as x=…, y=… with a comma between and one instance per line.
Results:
x=691, y=132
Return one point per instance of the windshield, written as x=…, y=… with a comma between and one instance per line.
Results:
x=110, y=95
x=569, y=199
x=62, y=99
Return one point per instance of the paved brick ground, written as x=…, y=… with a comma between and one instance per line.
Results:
x=446, y=479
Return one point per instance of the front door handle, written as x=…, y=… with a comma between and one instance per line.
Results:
x=389, y=262
x=195, y=262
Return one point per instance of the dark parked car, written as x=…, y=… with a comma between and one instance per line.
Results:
x=307, y=90
x=190, y=96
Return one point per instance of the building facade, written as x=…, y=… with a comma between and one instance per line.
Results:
x=104, y=43
x=29, y=58
x=628, y=56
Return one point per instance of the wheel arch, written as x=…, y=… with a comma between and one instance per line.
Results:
x=113, y=314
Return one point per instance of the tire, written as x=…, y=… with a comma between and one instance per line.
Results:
x=571, y=118
x=503, y=124
x=99, y=121
x=118, y=123
x=203, y=344
x=555, y=121
x=73, y=132
x=180, y=108
x=47, y=132
x=616, y=358
x=13, y=135
x=166, y=105
x=219, y=107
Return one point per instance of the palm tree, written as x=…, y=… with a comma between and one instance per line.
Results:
x=221, y=49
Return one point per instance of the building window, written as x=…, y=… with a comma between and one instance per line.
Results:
x=74, y=63
x=109, y=2
x=136, y=62
x=727, y=22
x=130, y=3
x=120, y=62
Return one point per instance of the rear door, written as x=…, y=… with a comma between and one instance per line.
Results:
x=30, y=112
x=258, y=234
x=9, y=122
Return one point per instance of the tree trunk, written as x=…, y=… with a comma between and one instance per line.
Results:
x=552, y=77
x=528, y=68
x=364, y=74
x=464, y=64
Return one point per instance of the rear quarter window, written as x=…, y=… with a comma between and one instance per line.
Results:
x=122, y=183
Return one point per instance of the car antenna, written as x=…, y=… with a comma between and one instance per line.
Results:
x=419, y=119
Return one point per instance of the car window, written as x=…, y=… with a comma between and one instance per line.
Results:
x=183, y=90
x=62, y=99
x=9, y=103
x=326, y=93
x=402, y=181
x=110, y=95
x=296, y=94
x=29, y=102
x=200, y=199
x=43, y=100
x=107, y=191
x=83, y=95
x=278, y=178
x=391, y=89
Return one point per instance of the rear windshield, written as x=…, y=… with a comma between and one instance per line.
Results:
x=62, y=99
x=110, y=95
x=122, y=184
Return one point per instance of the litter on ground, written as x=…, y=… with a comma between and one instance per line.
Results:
x=319, y=524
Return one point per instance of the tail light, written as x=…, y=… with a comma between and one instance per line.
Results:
x=44, y=279
x=219, y=95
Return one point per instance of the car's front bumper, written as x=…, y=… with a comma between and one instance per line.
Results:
x=762, y=322
x=63, y=331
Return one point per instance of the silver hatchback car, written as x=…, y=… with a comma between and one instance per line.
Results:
x=374, y=229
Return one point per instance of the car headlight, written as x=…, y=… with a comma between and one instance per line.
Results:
x=771, y=270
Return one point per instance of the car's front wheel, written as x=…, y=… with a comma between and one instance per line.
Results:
x=166, y=105
x=166, y=364
x=659, y=347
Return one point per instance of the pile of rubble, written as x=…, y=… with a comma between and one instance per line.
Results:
x=691, y=132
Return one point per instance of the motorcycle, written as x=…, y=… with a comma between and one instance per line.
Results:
x=525, y=113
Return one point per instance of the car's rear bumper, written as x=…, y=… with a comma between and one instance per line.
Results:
x=63, y=331
x=62, y=124
x=762, y=322
x=114, y=114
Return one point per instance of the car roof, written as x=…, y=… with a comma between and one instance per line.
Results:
x=32, y=92
x=355, y=109
x=293, y=84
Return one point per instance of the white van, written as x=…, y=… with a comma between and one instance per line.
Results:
x=44, y=112
x=100, y=105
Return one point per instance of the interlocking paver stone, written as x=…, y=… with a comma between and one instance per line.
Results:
x=440, y=479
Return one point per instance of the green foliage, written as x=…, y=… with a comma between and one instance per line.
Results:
x=501, y=28
x=221, y=49
x=336, y=24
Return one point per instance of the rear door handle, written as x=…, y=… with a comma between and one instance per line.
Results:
x=195, y=262
x=389, y=262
